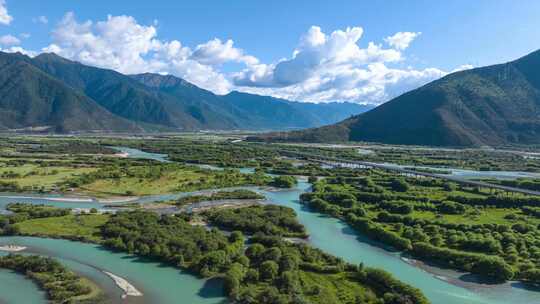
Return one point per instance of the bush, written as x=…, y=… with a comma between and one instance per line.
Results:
x=399, y=185
x=284, y=181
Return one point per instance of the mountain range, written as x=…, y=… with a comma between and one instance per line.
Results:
x=494, y=105
x=49, y=93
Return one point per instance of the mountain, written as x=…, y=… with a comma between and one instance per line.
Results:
x=494, y=105
x=250, y=111
x=60, y=95
x=127, y=97
x=31, y=98
x=265, y=112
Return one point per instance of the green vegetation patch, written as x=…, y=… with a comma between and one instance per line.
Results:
x=267, y=219
x=84, y=227
x=494, y=235
x=60, y=284
x=160, y=179
x=220, y=195
x=31, y=177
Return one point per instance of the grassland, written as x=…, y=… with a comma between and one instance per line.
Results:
x=169, y=182
x=95, y=294
x=165, y=178
x=34, y=177
x=335, y=288
x=85, y=227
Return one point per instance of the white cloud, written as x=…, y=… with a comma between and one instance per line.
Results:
x=323, y=67
x=41, y=19
x=333, y=67
x=315, y=49
x=215, y=52
x=317, y=53
x=401, y=40
x=9, y=40
x=5, y=18
x=374, y=84
x=122, y=44
x=118, y=43
x=18, y=49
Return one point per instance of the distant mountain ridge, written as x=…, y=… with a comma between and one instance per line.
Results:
x=61, y=95
x=493, y=105
x=31, y=97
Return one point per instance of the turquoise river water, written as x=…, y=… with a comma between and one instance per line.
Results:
x=162, y=284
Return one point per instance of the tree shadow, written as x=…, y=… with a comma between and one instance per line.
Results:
x=477, y=279
x=212, y=288
x=525, y=286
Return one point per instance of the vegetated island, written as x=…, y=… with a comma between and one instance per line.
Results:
x=269, y=270
x=59, y=283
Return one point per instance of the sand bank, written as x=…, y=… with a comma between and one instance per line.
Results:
x=12, y=248
x=129, y=290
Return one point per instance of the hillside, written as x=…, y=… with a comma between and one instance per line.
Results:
x=127, y=97
x=263, y=112
x=494, y=105
x=32, y=98
x=54, y=94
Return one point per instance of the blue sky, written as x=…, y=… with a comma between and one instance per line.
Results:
x=303, y=50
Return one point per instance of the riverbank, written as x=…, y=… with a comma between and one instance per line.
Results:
x=221, y=204
x=336, y=240
x=115, y=200
x=77, y=199
x=12, y=248
x=449, y=276
x=129, y=290
x=122, y=155
x=158, y=284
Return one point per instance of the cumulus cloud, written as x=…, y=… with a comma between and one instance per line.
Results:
x=323, y=67
x=9, y=40
x=401, y=40
x=122, y=44
x=316, y=52
x=374, y=84
x=334, y=67
x=5, y=18
x=215, y=52
x=118, y=42
x=18, y=49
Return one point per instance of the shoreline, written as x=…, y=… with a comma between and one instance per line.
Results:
x=12, y=248
x=129, y=290
x=221, y=204
x=51, y=198
x=451, y=276
x=114, y=200
x=122, y=155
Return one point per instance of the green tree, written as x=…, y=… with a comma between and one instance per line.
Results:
x=269, y=270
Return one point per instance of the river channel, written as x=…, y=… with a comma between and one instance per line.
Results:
x=162, y=284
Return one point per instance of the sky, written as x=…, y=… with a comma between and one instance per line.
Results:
x=313, y=51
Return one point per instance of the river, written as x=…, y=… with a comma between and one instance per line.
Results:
x=473, y=174
x=161, y=284
x=157, y=282
x=337, y=238
x=15, y=288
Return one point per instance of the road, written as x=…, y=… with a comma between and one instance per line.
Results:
x=352, y=163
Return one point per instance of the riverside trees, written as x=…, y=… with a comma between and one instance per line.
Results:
x=492, y=235
x=60, y=284
x=269, y=270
